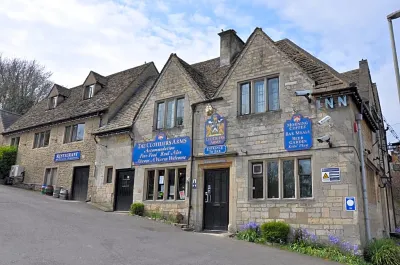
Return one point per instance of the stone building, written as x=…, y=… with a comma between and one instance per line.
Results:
x=264, y=132
x=56, y=145
x=7, y=118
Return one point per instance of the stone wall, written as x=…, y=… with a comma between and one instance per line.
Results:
x=36, y=160
x=112, y=151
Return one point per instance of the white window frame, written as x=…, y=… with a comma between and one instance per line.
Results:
x=89, y=91
x=53, y=102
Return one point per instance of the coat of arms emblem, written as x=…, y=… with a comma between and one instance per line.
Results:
x=215, y=130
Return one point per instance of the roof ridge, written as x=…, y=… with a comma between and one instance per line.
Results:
x=120, y=72
x=327, y=67
x=193, y=64
x=10, y=112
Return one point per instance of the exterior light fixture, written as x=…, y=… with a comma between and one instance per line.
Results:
x=209, y=110
x=304, y=93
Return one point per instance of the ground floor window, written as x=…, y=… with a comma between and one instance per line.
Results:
x=50, y=177
x=281, y=178
x=109, y=176
x=166, y=184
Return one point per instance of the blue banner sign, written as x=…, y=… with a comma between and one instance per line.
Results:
x=215, y=149
x=298, y=133
x=68, y=156
x=215, y=130
x=162, y=150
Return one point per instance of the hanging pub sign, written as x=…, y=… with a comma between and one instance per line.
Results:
x=162, y=150
x=67, y=156
x=215, y=135
x=298, y=133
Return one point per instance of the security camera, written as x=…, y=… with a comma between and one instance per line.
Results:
x=324, y=120
x=325, y=138
x=303, y=93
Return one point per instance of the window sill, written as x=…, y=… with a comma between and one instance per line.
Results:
x=74, y=142
x=40, y=148
x=169, y=129
x=256, y=115
x=164, y=201
x=282, y=200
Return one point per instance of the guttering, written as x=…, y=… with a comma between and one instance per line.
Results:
x=66, y=120
x=193, y=107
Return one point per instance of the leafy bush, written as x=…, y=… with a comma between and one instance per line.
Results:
x=275, y=232
x=137, y=208
x=249, y=232
x=302, y=236
x=327, y=252
x=382, y=252
x=8, y=156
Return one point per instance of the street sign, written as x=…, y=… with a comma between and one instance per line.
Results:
x=330, y=174
x=350, y=203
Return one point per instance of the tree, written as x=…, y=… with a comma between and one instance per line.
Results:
x=22, y=84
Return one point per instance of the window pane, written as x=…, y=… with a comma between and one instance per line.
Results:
x=180, y=111
x=46, y=138
x=67, y=134
x=273, y=94
x=288, y=179
x=171, y=113
x=245, y=98
x=181, y=183
x=74, y=133
x=305, y=178
x=80, y=132
x=259, y=97
x=36, y=141
x=109, y=174
x=47, y=176
x=150, y=185
x=273, y=180
x=160, y=184
x=17, y=141
x=258, y=183
x=91, y=91
x=41, y=140
x=12, y=141
x=171, y=184
x=160, y=115
x=54, y=177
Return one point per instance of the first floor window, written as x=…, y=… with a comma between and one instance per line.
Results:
x=150, y=184
x=74, y=133
x=167, y=183
x=258, y=180
x=109, y=171
x=285, y=178
x=170, y=113
x=50, y=177
x=15, y=141
x=41, y=139
x=259, y=95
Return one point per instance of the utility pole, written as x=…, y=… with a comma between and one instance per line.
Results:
x=391, y=17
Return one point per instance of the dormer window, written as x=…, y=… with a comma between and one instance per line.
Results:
x=89, y=92
x=53, y=102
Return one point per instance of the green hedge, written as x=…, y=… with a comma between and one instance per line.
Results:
x=8, y=157
x=275, y=232
x=382, y=252
x=137, y=208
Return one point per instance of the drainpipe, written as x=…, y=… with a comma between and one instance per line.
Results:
x=359, y=118
x=193, y=107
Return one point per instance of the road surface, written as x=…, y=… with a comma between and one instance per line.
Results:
x=40, y=230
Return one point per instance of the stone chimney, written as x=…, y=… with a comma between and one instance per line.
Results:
x=231, y=45
x=364, y=81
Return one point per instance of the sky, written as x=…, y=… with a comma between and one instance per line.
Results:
x=72, y=37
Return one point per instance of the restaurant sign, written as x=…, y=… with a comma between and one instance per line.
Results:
x=298, y=133
x=162, y=150
x=68, y=156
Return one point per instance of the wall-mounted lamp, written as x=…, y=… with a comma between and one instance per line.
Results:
x=209, y=110
x=304, y=93
x=326, y=139
x=386, y=181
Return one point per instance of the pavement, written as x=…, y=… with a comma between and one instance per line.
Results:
x=41, y=230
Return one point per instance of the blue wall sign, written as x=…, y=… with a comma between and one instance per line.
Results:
x=350, y=203
x=215, y=130
x=215, y=149
x=298, y=133
x=68, y=156
x=162, y=150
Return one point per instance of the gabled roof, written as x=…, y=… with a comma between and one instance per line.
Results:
x=325, y=77
x=8, y=118
x=63, y=91
x=124, y=118
x=74, y=106
x=352, y=76
x=99, y=78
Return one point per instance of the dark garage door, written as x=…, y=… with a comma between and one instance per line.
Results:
x=80, y=183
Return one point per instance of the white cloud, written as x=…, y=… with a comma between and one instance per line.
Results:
x=162, y=6
x=203, y=20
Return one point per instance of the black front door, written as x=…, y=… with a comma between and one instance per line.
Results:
x=124, y=189
x=216, y=199
x=80, y=183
